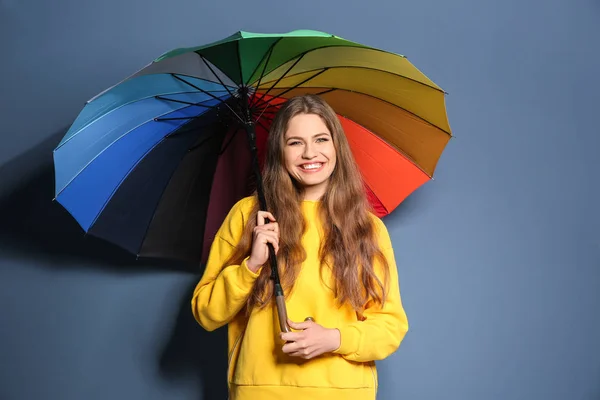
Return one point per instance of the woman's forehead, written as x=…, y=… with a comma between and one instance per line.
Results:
x=306, y=126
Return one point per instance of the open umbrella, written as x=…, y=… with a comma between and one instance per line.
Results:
x=154, y=163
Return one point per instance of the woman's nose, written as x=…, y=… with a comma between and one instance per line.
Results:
x=309, y=152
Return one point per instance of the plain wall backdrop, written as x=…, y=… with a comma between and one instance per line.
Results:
x=499, y=257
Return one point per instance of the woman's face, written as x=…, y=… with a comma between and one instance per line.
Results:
x=309, y=154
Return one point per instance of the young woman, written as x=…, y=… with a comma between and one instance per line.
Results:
x=336, y=266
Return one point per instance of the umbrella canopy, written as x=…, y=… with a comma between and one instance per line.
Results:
x=154, y=163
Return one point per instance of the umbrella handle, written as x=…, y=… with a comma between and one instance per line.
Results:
x=282, y=313
x=281, y=308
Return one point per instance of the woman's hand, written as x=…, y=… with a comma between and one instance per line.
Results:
x=311, y=340
x=263, y=233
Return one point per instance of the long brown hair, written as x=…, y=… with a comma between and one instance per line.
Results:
x=350, y=245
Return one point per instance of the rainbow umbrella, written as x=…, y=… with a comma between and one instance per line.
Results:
x=154, y=163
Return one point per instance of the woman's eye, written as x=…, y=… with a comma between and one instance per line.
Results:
x=322, y=140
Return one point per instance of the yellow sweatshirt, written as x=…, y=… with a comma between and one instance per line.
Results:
x=258, y=369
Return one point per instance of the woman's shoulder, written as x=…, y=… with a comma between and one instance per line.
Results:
x=245, y=204
x=242, y=209
x=381, y=231
x=236, y=219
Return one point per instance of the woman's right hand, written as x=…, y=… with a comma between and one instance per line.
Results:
x=263, y=233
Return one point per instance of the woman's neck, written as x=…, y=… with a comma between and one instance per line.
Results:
x=313, y=193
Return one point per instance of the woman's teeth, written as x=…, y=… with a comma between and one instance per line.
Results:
x=312, y=166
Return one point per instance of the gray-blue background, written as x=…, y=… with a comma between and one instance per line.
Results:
x=499, y=257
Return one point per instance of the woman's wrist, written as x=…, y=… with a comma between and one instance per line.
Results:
x=252, y=266
x=335, y=339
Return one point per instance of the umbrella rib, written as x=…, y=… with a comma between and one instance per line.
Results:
x=210, y=94
x=230, y=140
x=275, y=105
x=294, y=87
x=180, y=131
x=263, y=103
x=271, y=118
x=181, y=101
x=215, y=74
x=174, y=119
x=268, y=112
x=239, y=57
x=326, y=91
x=268, y=102
x=282, y=76
x=261, y=124
x=318, y=94
x=267, y=62
x=262, y=74
x=204, y=140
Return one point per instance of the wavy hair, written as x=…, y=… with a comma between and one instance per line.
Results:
x=350, y=246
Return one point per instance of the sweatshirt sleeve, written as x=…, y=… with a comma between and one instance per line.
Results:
x=382, y=330
x=223, y=289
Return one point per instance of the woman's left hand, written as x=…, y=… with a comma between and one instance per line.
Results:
x=310, y=340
